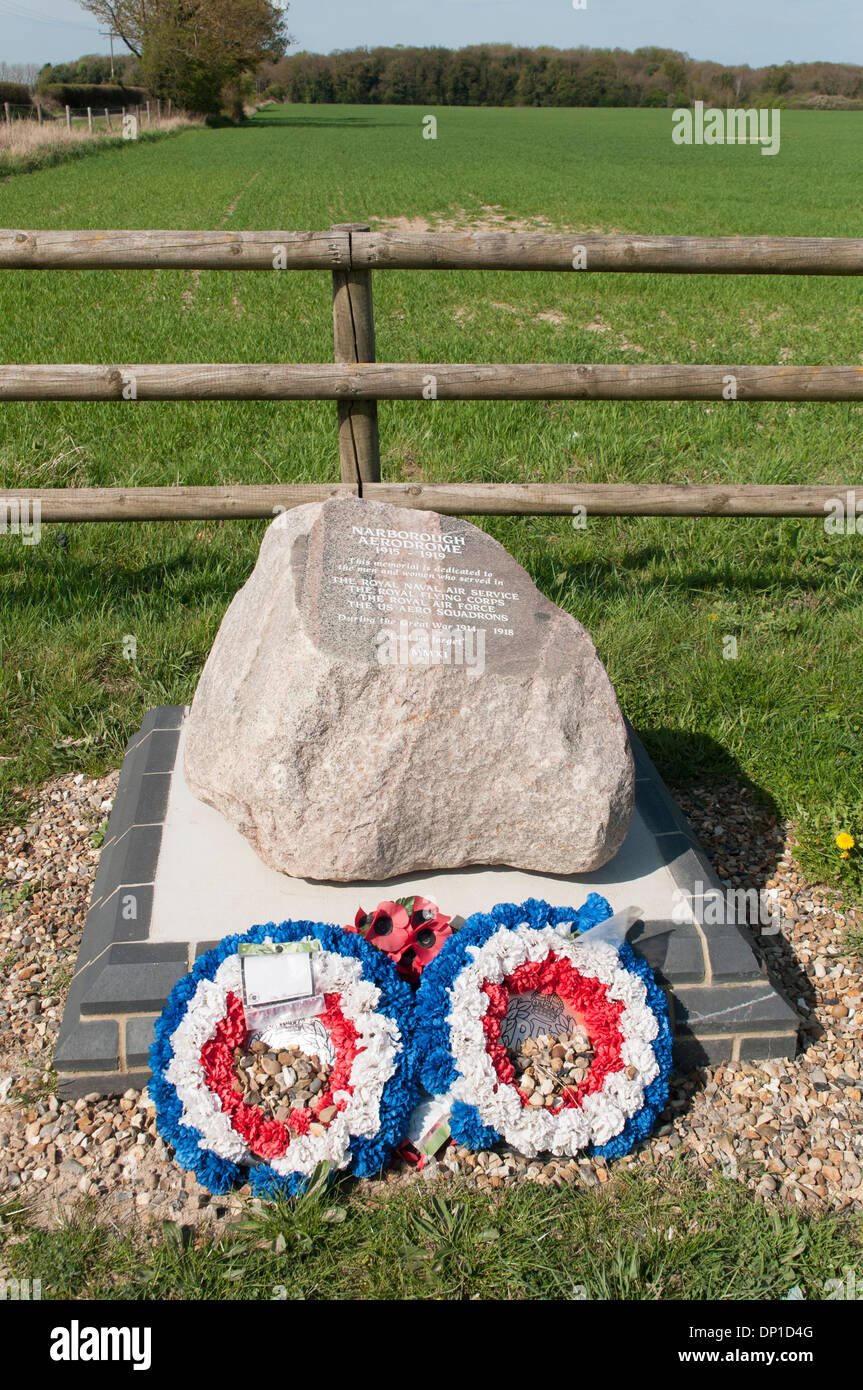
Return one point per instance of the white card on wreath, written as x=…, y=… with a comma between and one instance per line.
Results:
x=274, y=979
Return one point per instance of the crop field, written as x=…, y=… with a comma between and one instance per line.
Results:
x=660, y=596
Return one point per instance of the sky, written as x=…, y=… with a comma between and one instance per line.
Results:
x=729, y=31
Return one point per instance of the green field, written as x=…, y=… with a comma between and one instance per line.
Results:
x=659, y=596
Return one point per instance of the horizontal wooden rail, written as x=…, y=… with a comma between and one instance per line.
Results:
x=453, y=499
x=38, y=250
x=621, y=252
x=228, y=501
x=611, y=499
x=266, y=250
x=426, y=381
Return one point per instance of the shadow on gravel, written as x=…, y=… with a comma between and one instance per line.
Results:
x=742, y=832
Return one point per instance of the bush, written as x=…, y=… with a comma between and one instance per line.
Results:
x=820, y=102
x=81, y=94
x=15, y=93
x=238, y=98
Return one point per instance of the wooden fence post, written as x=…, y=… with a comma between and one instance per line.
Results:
x=148, y=113
x=354, y=341
x=90, y=119
x=6, y=109
x=39, y=112
x=107, y=119
x=68, y=118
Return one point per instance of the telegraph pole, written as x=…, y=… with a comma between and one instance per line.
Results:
x=109, y=34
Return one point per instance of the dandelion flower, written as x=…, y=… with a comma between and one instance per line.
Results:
x=845, y=841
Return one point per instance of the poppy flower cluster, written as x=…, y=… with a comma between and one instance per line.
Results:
x=410, y=930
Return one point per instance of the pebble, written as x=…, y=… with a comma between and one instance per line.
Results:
x=756, y=1123
x=548, y=1069
x=760, y=1123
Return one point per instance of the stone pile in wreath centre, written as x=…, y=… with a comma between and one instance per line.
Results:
x=391, y=707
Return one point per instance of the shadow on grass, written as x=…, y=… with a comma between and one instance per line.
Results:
x=652, y=567
x=687, y=756
x=68, y=585
x=53, y=573
x=314, y=123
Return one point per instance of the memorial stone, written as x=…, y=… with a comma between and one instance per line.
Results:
x=391, y=692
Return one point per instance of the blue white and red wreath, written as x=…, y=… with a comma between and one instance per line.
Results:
x=515, y=949
x=224, y=1140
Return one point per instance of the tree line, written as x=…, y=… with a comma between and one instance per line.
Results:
x=230, y=70
x=91, y=70
x=21, y=74
x=503, y=75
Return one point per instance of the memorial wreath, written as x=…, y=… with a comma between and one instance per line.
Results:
x=607, y=990
x=357, y=1116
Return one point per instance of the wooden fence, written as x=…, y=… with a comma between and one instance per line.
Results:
x=356, y=381
x=143, y=112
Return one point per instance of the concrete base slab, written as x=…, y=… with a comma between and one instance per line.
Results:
x=211, y=882
x=174, y=877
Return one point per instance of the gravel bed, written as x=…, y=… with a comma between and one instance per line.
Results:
x=790, y=1130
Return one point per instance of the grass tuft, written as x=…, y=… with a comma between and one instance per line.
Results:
x=636, y=1239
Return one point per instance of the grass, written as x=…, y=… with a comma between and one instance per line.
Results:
x=659, y=596
x=26, y=146
x=12, y=898
x=634, y=1240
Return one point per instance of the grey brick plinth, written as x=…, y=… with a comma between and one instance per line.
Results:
x=89, y=1046
x=732, y=1009
x=722, y=1003
x=139, y=1036
x=73, y=1085
x=134, y=977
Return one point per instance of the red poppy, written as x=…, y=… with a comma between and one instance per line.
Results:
x=429, y=930
x=388, y=927
x=412, y=932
